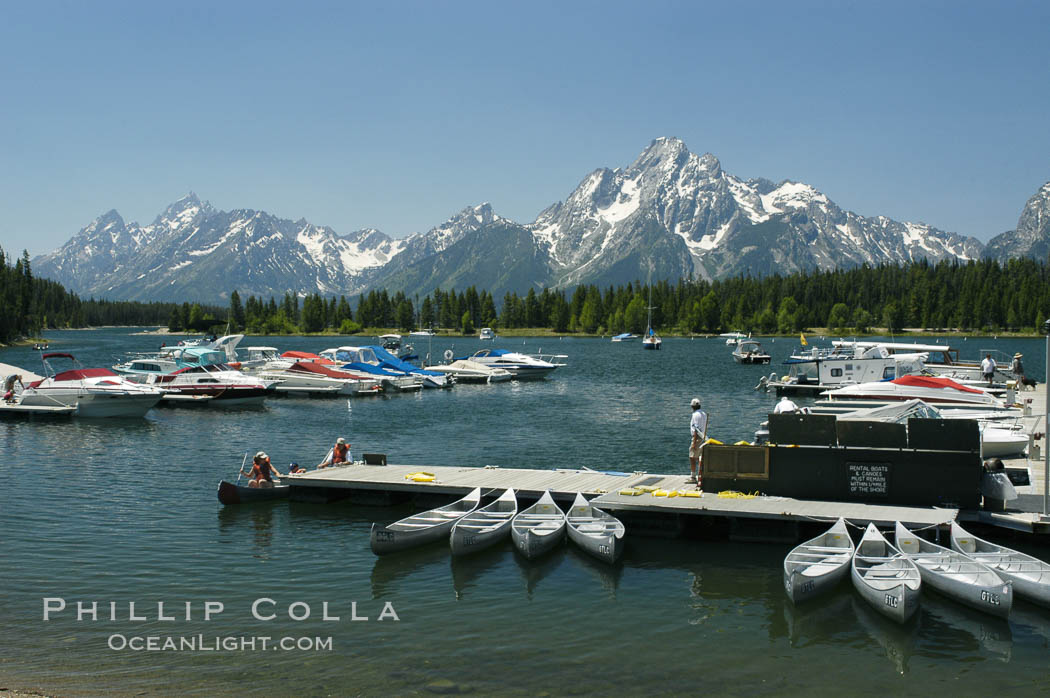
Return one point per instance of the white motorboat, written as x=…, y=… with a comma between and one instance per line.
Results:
x=749, y=351
x=625, y=337
x=814, y=370
x=466, y=371
x=997, y=438
x=487, y=333
x=929, y=389
x=422, y=333
x=214, y=383
x=363, y=360
x=733, y=337
x=312, y=378
x=520, y=366
x=943, y=360
x=94, y=392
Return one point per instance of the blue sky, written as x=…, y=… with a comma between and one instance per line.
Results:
x=397, y=115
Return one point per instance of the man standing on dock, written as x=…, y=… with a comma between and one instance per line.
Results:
x=988, y=368
x=698, y=431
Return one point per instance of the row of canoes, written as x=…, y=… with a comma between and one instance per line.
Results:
x=536, y=530
x=975, y=572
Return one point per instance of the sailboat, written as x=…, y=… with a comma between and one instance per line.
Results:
x=651, y=340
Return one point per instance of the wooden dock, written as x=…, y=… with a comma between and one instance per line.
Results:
x=395, y=483
x=16, y=408
x=377, y=484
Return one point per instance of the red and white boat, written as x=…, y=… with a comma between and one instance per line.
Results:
x=94, y=392
x=216, y=383
x=929, y=389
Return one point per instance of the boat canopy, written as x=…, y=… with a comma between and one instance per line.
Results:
x=897, y=413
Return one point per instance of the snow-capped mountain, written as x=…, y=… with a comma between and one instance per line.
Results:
x=684, y=215
x=1032, y=236
x=670, y=214
x=195, y=252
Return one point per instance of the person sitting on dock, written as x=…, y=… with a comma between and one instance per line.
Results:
x=262, y=471
x=340, y=453
x=785, y=406
x=698, y=430
x=9, y=386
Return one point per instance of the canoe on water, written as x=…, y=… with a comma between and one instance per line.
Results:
x=816, y=566
x=885, y=577
x=484, y=527
x=595, y=531
x=420, y=529
x=232, y=493
x=956, y=575
x=539, y=528
x=1030, y=575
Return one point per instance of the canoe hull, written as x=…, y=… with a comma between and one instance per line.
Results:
x=607, y=548
x=898, y=603
x=1030, y=575
x=464, y=541
x=596, y=532
x=538, y=529
x=385, y=539
x=230, y=493
x=818, y=565
x=885, y=578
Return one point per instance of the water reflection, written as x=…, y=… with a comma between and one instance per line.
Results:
x=897, y=640
x=951, y=630
x=254, y=520
x=535, y=571
x=467, y=570
x=389, y=571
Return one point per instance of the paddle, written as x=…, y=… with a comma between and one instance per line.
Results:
x=241, y=470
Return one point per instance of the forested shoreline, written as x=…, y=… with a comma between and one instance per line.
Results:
x=977, y=296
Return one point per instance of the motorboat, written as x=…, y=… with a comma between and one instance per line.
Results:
x=141, y=366
x=313, y=378
x=94, y=392
x=363, y=360
x=487, y=333
x=390, y=341
x=943, y=360
x=626, y=336
x=997, y=440
x=749, y=351
x=431, y=379
x=929, y=389
x=216, y=383
x=520, y=366
x=467, y=371
x=816, y=369
x=422, y=333
x=732, y=338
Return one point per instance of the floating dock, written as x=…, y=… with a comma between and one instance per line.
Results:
x=676, y=505
x=15, y=408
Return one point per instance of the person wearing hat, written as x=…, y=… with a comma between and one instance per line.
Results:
x=340, y=453
x=1018, y=368
x=698, y=431
x=262, y=471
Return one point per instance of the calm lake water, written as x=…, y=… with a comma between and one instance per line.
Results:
x=125, y=511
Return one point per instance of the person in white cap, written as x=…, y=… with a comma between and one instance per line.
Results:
x=698, y=432
x=340, y=453
x=262, y=471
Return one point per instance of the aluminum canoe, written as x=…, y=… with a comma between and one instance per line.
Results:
x=484, y=527
x=1030, y=575
x=539, y=528
x=423, y=528
x=885, y=578
x=818, y=565
x=595, y=531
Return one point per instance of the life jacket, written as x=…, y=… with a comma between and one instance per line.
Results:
x=261, y=471
x=339, y=453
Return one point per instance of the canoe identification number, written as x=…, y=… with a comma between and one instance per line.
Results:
x=806, y=587
x=892, y=601
x=989, y=597
x=470, y=540
x=384, y=536
x=604, y=549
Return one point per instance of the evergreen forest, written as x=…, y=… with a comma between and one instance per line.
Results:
x=983, y=296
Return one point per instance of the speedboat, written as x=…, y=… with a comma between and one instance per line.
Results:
x=313, y=378
x=487, y=333
x=216, y=383
x=363, y=360
x=624, y=337
x=926, y=388
x=466, y=371
x=749, y=351
x=732, y=338
x=521, y=366
x=422, y=333
x=94, y=392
